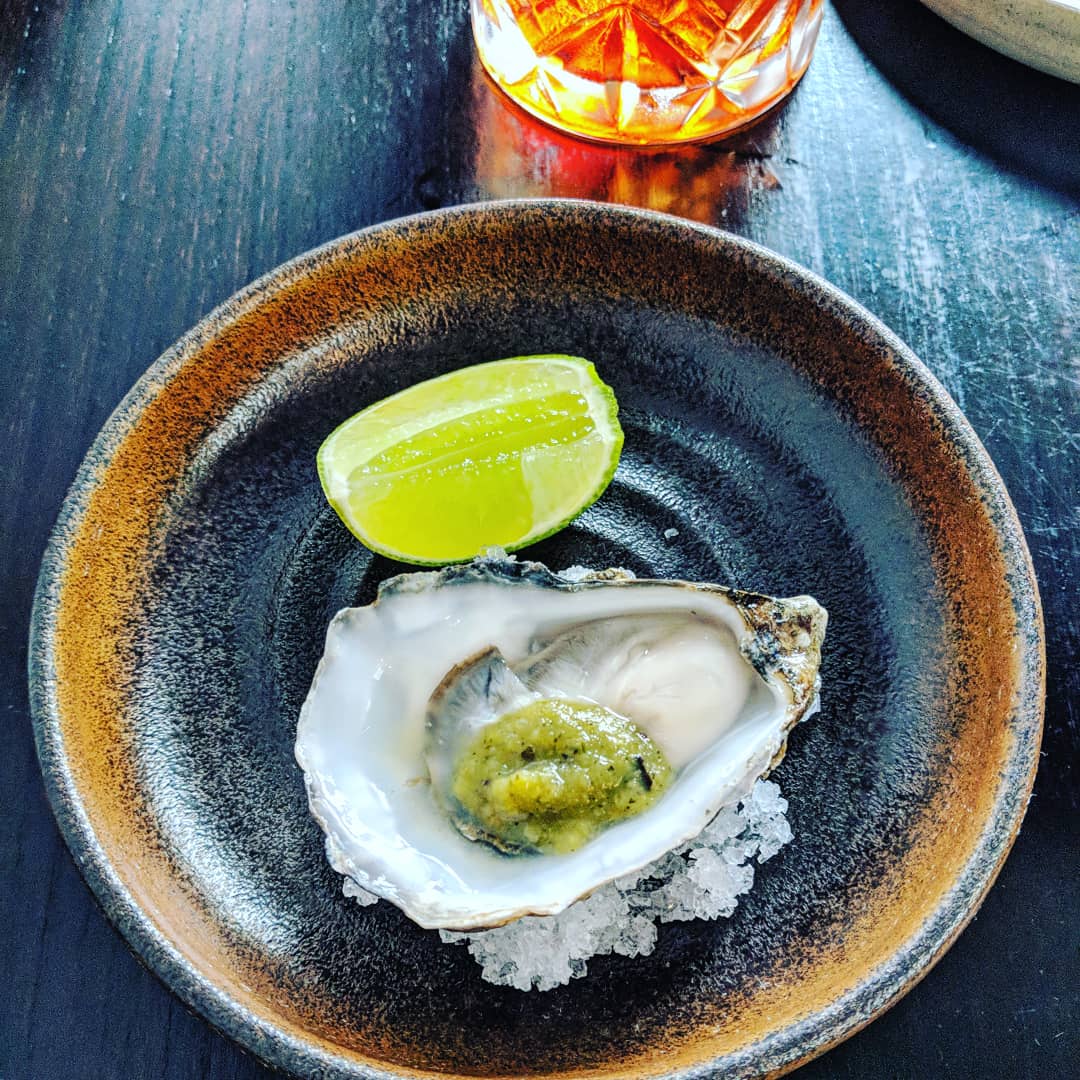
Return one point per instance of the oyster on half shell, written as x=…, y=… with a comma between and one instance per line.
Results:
x=716, y=677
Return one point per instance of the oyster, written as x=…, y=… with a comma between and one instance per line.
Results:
x=716, y=677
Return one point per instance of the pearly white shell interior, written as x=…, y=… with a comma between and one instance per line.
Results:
x=360, y=741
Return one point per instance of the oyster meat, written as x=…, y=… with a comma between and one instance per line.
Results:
x=714, y=676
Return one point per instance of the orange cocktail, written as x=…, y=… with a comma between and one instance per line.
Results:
x=646, y=71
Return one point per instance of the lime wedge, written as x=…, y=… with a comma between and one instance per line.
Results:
x=502, y=454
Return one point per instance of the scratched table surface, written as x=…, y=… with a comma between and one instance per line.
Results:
x=155, y=157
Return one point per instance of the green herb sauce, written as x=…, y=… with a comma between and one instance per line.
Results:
x=551, y=775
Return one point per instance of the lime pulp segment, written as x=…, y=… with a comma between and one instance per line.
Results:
x=502, y=453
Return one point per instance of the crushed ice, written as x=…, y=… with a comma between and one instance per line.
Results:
x=700, y=880
x=360, y=895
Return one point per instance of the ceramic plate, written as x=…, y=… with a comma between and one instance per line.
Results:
x=777, y=437
x=1044, y=34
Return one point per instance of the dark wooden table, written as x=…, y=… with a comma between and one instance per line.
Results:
x=155, y=157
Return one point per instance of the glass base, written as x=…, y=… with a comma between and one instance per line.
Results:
x=647, y=73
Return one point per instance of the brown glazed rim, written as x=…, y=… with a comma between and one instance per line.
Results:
x=154, y=931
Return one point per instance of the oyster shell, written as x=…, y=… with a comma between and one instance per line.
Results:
x=716, y=676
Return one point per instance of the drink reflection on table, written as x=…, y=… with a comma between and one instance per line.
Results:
x=520, y=157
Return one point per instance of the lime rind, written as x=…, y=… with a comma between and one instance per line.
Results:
x=451, y=396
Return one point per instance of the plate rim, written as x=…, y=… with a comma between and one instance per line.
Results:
x=1042, y=34
x=798, y=1043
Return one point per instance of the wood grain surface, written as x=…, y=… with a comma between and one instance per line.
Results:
x=156, y=157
